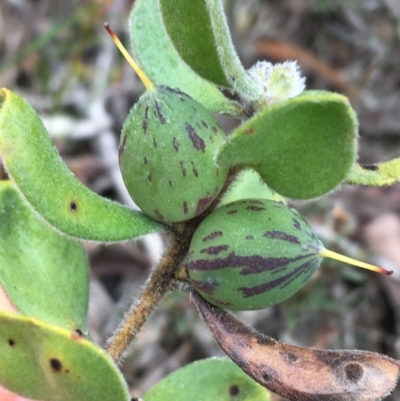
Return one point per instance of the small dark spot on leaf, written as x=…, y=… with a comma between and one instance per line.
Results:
x=11, y=342
x=55, y=364
x=145, y=119
x=234, y=390
x=79, y=332
x=215, y=129
x=67, y=371
x=249, y=236
x=170, y=183
x=232, y=211
x=354, y=372
x=185, y=208
x=145, y=160
x=73, y=206
x=149, y=177
x=204, y=123
x=370, y=167
x=154, y=142
x=249, y=131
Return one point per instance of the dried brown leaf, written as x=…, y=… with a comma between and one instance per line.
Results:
x=301, y=374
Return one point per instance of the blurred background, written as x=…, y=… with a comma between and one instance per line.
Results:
x=58, y=56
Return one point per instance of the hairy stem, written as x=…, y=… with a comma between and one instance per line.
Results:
x=154, y=290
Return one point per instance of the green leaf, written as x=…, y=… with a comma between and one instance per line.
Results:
x=44, y=274
x=199, y=32
x=52, y=190
x=249, y=185
x=386, y=173
x=208, y=380
x=302, y=147
x=163, y=64
x=44, y=362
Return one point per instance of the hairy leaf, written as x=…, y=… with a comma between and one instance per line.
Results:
x=200, y=34
x=52, y=190
x=302, y=147
x=386, y=173
x=208, y=380
x=44, y=274
x=44, y=362
x=163, y=64
x=301, y=374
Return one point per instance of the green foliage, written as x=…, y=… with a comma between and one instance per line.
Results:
x=44, y=274
x=48, y=363
x=184, y=181
x=215, y=379
x=51, y=189
x=302, y=147
x=252, y=251
x=163, y=64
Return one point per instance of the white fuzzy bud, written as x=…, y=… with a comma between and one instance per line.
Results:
x=277, y=82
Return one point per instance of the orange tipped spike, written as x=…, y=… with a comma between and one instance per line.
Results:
x=337, y=256
x=143, y=77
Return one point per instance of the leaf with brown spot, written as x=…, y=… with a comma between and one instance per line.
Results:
x=301, y=374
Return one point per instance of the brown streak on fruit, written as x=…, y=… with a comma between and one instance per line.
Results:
x=249, y=237
x=204, y=124
x=160, y=114
x=194, y=169
x=234, y=211
x=170, y=183
x=255, y=208
x=183, y=169
x=315, y=375
x=213, y=235
x=149, y=177
x=11, y=342
x=296, y=224
x=145, y=160
x=175, y=144
x=185, y=208
x=159, y=215
x=203, y=204
x=207, y=288
x=254, y=263
x=214, y=129
x=154, y=142
x=145, y=119
x=215, y=250
x=197, y=141
x=282, y=236
x=249, y=131
x=268, y=286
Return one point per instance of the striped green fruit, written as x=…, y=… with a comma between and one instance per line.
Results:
x=166, y=155
x=167, y=150
x=254, y=253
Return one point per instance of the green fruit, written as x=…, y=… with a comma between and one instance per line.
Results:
x=166, y=155
x=254, y=253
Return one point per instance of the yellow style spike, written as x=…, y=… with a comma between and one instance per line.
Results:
x=143, y=77
x=326, y=253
